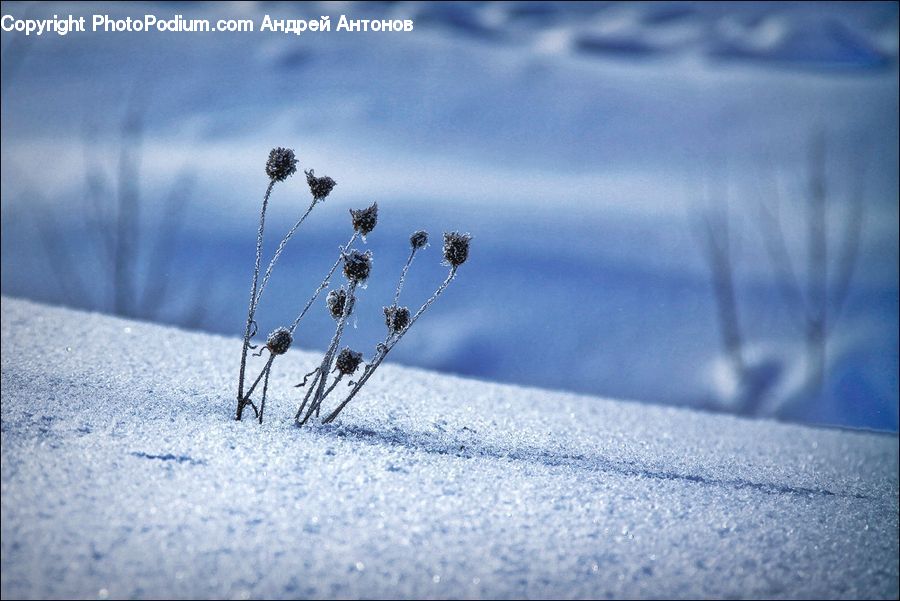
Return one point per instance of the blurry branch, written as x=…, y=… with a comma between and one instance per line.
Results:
x=824, y=299
x=118, y=247
x=853, y=225
x=127, y=227
x=817, y=269
x=813, y=297
x=110, y=233
x=713, y=235
x=96, y=191
x=786, y=280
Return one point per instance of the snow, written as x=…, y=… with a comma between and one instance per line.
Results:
x=124, y=475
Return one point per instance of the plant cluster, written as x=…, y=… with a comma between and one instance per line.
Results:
x=340, y=302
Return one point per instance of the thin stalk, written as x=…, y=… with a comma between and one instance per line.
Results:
x=251, y=311
x=409, y=261
x=329, y=354
x=280, y=250
x=389, y=344
x=252, y=406
x=330, y=388
x=325, y=282
x=359, y=384
x=262, y=403
x=308, y=394
x=260, y=376
x=306, y=377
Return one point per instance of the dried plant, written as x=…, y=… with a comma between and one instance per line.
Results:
x=281, y=164
x=357, y=267
x=456, y=251
x=340, y=302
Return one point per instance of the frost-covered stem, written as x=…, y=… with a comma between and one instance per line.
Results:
x=389, y=344
x=306, y=377
x=359, y=384
x=308, y=394
x=409, y=261
x=262, y=403
x=327, y=392
x=266, y=368
x=425, y=305
x=330, y=388
x=329, y=354
x=325, y=282
x=251, y=311
x=280, y=250
x=252, y=405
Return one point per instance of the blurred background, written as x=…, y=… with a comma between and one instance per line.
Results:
x=682, y=203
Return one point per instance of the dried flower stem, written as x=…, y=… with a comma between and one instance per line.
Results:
x=330, y=388
x=278, y=343
x=325, y=282
x=409, y=261
x=309, y=392
x=386, y=347
x=328, y=359
x=260, y=376
x=252, y=405
x=280, y=250
x=315, y=295
x=266, y=370
x=247, y=401
x=251, y=312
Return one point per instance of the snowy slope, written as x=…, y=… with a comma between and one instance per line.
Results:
x=124, y=475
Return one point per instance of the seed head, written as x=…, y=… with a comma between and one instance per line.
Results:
x=365, y=220
x=357, y=266
x=396, y=318
x=456, y=248
x=336, y=301
x=320, y=187
x=348, y=361
x=279, y=341
x=418, y=239
x=281, y=164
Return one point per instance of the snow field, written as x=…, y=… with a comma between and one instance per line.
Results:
x=124, y=475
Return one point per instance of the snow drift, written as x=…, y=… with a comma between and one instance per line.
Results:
x=124, y=475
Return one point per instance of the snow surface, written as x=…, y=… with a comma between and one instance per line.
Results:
x=124, y=475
